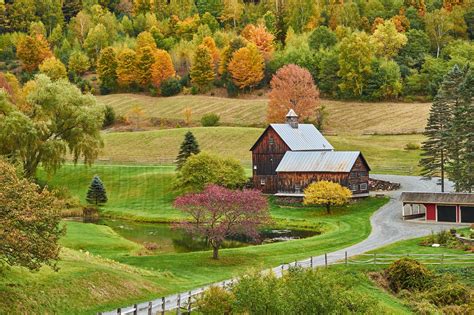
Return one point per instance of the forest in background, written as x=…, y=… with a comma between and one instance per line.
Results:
x=365, y=50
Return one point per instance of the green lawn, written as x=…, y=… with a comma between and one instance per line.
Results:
x=385, y=154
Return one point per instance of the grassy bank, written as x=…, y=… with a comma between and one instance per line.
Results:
x=385, y=154
x=343, y=117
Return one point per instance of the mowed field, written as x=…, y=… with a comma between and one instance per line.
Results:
x=385, y=153
x=344, y=117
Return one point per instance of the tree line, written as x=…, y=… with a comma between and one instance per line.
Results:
x=369, y=50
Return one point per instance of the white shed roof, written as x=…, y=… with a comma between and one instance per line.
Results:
x=304, y=138
x=318, y=161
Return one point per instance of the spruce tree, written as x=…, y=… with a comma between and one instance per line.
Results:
x=188, y=146
x=96, y=195
x=435, y=147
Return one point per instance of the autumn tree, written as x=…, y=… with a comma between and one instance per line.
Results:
x=53, y=68
x=97, y=38
x=292, y=88
x=126, y=67
x=439, y=24
x=80, y=25
x=202, y=69
x=327, y=194
x=247, y=67
x=145, y=60
x=32, y=51
x=145, y=39
x=78, y=62
x=232, y=11
x=107, y=69
x=211, y=44
x=386, y=40
x=262, y=39
x=227, y=54
x=218, y=213
x=64, y=121
x=355, y=54
x=162, y=68
x=30, y=220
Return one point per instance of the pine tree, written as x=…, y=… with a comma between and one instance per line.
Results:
x=188, y=147
x=438, y=148
x=202, y=73
x=96, y=195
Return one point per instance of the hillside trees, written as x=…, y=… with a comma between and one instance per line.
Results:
x=145, y=60
x=202, y=69
x=246, y=67
x=32, y=51
x=63, y=121
x=386, y=40
x=292, y=88
x=53, y=68
x=126, y=68
x=218, y=213
x=78, y=63
x=107, y=70
x=30, y=219
x=162, y=68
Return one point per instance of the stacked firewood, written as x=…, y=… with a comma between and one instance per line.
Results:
x=382, y=185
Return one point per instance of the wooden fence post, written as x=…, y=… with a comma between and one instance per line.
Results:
x=375, y=258
x=311, y=262
x=135, y=311
x=119, y=311
x=189, y=303
x=178, y=311
x=163, y=305
x=442, y=258
x=325, y=259
x=345, y=257
x=150, y=308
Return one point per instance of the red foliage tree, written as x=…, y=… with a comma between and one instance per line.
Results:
x=218, y=212
x=292, y=88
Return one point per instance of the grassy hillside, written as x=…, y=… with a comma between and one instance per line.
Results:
x=344, y=117
x=385, y=154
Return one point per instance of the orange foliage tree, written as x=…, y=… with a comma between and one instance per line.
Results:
x=211, y=44
x=261, y=37
x=246, y=67
x=32, y=51
x=162, y=68
x=292, y=87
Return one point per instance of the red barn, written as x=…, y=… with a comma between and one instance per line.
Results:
x=288, y=157
x=438, y=207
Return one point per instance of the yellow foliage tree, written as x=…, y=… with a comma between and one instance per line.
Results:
x=327, y=194
x=53, y=68
x=247, y=66
x=162, y=68
x=126, y=67
x=261, y=37
x=202, y=70
x=32, y=51
x=211, y=44
x=386, y=39
x=145, y=39
x=145, y=60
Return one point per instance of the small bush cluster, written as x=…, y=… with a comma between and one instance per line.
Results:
x=210, y=120
x=298, y=292
x=407, y=274
x=170, y=87
x=445, y=239
x=412, y=146
x=109, y=116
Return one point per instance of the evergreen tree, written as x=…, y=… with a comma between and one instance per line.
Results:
x=96, y=195
x=437, y=148
x=188, y=147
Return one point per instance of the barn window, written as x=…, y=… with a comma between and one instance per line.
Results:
x=271, y=141
x=353, y=174
x=363, y=186
x=362, y=173
x=262, y=181
x=297, y=188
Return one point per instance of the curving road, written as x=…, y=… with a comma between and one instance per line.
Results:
x=387, y=227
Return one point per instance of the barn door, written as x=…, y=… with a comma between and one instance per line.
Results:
x=467, y=214
x=446, y=213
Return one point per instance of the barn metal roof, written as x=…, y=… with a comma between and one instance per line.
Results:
x=438, y=198
x=304, y=138
x=318, y=161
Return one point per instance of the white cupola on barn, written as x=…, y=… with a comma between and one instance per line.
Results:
x=292, y=119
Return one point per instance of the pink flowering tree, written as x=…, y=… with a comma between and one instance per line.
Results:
x=218, y=212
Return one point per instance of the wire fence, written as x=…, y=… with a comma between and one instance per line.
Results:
x=185, y=302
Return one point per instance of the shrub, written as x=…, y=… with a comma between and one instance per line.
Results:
x=448, y=293
x=170, y=87
x=407, y=274
x=109, y=116
x=215, y=301
x=210, y=120
x=412, y=146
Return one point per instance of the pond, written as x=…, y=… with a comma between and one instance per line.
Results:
x=162, y=237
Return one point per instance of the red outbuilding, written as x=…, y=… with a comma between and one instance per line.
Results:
x=438, y=207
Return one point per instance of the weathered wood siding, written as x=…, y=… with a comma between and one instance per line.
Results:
x=266, y=155
x=357, y=180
